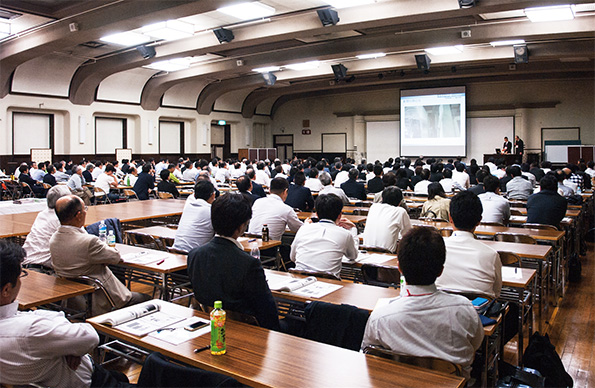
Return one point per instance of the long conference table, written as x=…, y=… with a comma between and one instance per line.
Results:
x=264, y=358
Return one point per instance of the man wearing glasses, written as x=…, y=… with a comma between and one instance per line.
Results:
x=76, y=253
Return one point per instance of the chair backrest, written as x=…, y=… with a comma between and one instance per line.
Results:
x=165, y=195
x=539, y=226
x=25, y=185
x=378, y=275
x=318, y=274
x=46, y=185
x=515, y=212
x=432, y=363
x=515, y=238
x=129, y=194
x=98, y=284
x=491, y=223
x=510, y=259
x=471, y=295
x=174, y=250
x=446, y=232
x=435, y=219
x=144, y=240
x=232, y=315
x=374, y=249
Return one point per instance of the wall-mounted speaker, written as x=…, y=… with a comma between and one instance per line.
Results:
x=340, y=71
x=224, y=35
x=423, y=61
x=147, y=52
x=328, y=17
x=269, y=78
x=521, y=53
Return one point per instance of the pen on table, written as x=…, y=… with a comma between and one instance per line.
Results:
x=252, y=240
x=161, y=262
x=198, y=350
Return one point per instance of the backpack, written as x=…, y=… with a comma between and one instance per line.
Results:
x=541, y=355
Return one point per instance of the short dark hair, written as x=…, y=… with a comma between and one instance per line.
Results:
x=480, y=175
x=50, y=169
x=389, y=179
x=491, y=183
x=279, y=185
x=243, y=183
x=23, y=168
x=377, y=169
x=147, y=167
x=435, y=189
x=313, y=172
x=70, y=209
x=465, y=210
x=549, y=182
x=421, y=254
x=164, y=174
x=328, y=207
x=11, y=256
x=229, y=212
x=514, y=171
x=299, y=178
x=203, y=189
x=425, y=174
x=447, y=173
x=392, y=195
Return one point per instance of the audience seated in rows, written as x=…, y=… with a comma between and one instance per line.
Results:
x=145, y=183
x=547, y=206
x=496, y=208
x=321, y=246
x=298, y=196
x=328, y=188
x=166, y=186
x=426, y=322
x=353, y=188
x=375, y=184
x=195, y=228
x=76, y=184
x=518, y=187
x=437, y=205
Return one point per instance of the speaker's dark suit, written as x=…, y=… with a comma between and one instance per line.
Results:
x=219, y=270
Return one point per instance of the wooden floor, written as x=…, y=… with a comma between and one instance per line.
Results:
x=571, y=327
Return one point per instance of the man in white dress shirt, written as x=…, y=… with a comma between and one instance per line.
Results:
x=195, y=228
x=60, y=175
x=321, y=246
x=426, y=322
x=106, y=181
x=42, y=347
x=460, y=176
x=387, y=221
x=261, y=177
x=496, y=208
x=470, y=264
x=46, y=223
x=343, y=175
x=273, y=212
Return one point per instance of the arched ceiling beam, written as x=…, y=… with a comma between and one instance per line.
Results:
x=115, y=17
x=210, y=94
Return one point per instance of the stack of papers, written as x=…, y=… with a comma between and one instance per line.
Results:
x=144, y=257
x=308, y=287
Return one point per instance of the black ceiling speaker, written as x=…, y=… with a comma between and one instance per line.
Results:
x=423, y=61
x=269, y=78
x=521, y=53
x=340, y=71
x=147, y=52
x=328, y=17
x=224, y=35
x=466, y=3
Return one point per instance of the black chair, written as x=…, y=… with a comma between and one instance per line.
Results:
x=378, y=275
x=159, y=371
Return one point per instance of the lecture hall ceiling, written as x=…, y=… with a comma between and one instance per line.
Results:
x=58, y=43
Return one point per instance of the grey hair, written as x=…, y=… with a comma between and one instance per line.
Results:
x=77, y=169
x=90, y=166
x=56, y=193
x=325, y=179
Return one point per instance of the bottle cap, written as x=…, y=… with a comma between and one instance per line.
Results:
x=218, y=304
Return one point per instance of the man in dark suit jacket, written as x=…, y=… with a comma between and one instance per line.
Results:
x=87, y=173
x=375, y=184
x=49, y=177
x=547, y=206
x=507, y=146
x=478, y=188
x=352, y=188
x=145, y=182
x=25, y=177
x=221, y=270
x=257, y=189
x=298, y=196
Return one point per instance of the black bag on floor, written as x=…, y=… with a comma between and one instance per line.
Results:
x=574, y=268
x=517, y=377
x=541, y=355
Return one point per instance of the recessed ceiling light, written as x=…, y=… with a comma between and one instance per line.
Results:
x=551, y=13
x=267, y=69
x=4, y=30
x=169, y=30
x=348, y=3
x=507, y=42
x=446, y=50
x=170, y=65
x=128, y=38
x=248, y=11
x=371, y=56
x=304, y=66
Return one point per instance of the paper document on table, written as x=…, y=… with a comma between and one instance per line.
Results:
x=139, y=319
x=286, y=283
x=512, y=273
x=317, y=289
x=372, y=258
x=176, y=334
x=143, y=257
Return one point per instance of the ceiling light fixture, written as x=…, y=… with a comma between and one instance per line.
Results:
x=128, y=38
x=550, y=14
x=304, y=66
x=170, y=65
x=248, y=11
x=4, y=30
x=169, y=30
x=512, y=42
x=371, y=56
x=348, y=3
x=267, y=69
x=446, y=50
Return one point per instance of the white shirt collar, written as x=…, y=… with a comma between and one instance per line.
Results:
x=416, y=290
x=9, y=310
x=462, y=233
x=233, y=240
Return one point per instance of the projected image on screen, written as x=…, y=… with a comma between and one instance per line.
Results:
x=433, y=122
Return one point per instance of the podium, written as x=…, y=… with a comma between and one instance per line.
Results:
x=508, y=159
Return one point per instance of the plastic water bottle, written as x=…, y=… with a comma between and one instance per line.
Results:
x=102, y=231
x=402, y=286
x=218, y=329
x=254, y=251
x=111, y=239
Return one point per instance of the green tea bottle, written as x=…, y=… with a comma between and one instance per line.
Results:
x=218, y=329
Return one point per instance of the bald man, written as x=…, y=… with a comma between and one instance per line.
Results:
x=75, y=253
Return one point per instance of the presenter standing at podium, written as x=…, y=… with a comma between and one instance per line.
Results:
x=507, y=146
x=519, y=146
